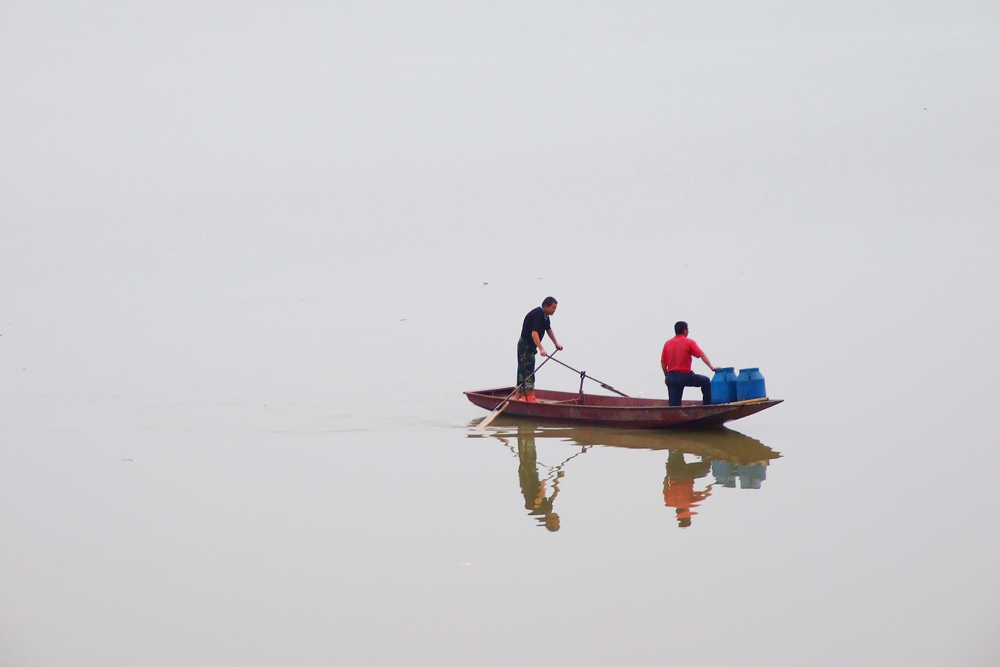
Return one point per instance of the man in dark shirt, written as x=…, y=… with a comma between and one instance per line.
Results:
x=536, y=325
x=676, y=363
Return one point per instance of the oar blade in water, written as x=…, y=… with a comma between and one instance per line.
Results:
x=490, y=417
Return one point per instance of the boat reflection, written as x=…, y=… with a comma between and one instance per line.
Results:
x=692, y=456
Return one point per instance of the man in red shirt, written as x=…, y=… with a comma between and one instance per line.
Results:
x=676, y=364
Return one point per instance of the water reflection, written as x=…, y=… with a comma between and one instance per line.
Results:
x=537, y=500
x=678, y=485
x=692, y=456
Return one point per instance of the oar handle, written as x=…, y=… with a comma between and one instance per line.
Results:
x=584, y=374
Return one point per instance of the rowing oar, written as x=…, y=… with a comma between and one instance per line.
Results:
x=583, y=374
x=493, y=415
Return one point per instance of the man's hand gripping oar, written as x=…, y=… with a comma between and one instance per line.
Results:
x=500, y=408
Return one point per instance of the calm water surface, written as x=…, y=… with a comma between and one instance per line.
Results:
x=155, y=536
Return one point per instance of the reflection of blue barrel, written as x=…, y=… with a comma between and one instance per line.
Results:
x=724, y=385
x=724, y=473
x=752, y=476
x=750, y=384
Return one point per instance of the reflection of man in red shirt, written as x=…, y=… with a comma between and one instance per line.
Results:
x=678, y=486
x=683, y=496
x=676, y=364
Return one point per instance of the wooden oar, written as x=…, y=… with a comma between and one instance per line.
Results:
x=583, y=374
x=493, y=415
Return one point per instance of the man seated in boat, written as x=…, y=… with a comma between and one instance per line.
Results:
x=536, y=325
x=676, y=363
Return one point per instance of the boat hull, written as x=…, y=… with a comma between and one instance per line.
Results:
x=617, y=411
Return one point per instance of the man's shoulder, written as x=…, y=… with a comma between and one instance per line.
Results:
x=536, y=316
x=680, y=343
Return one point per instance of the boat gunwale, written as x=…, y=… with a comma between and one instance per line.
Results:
x=715, y=408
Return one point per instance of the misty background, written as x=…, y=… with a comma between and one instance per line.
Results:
x=313, y=225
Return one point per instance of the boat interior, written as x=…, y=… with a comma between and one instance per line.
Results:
x=597, y=400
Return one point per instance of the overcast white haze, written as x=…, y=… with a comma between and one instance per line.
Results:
x=252, y=253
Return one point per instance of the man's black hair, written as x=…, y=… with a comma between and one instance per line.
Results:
x=680, y=327
x=549, y=300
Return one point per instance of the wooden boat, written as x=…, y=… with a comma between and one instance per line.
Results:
x=617, y=411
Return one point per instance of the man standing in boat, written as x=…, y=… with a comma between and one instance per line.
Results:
x=676, y=363
x=536, y=325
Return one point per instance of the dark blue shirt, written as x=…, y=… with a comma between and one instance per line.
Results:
x=535, y=320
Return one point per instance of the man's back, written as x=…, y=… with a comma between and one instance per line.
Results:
x=677, y=353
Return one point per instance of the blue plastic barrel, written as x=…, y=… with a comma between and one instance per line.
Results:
x=724, y=385
x=750, y=384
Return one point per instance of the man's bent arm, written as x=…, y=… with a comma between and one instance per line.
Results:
x=708, y=363
x=538, y=344
x=552, y=335
x=664, y=367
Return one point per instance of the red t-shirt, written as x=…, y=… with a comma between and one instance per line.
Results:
x=677, y=353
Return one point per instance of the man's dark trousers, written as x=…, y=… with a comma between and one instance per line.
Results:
x=677, y=380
